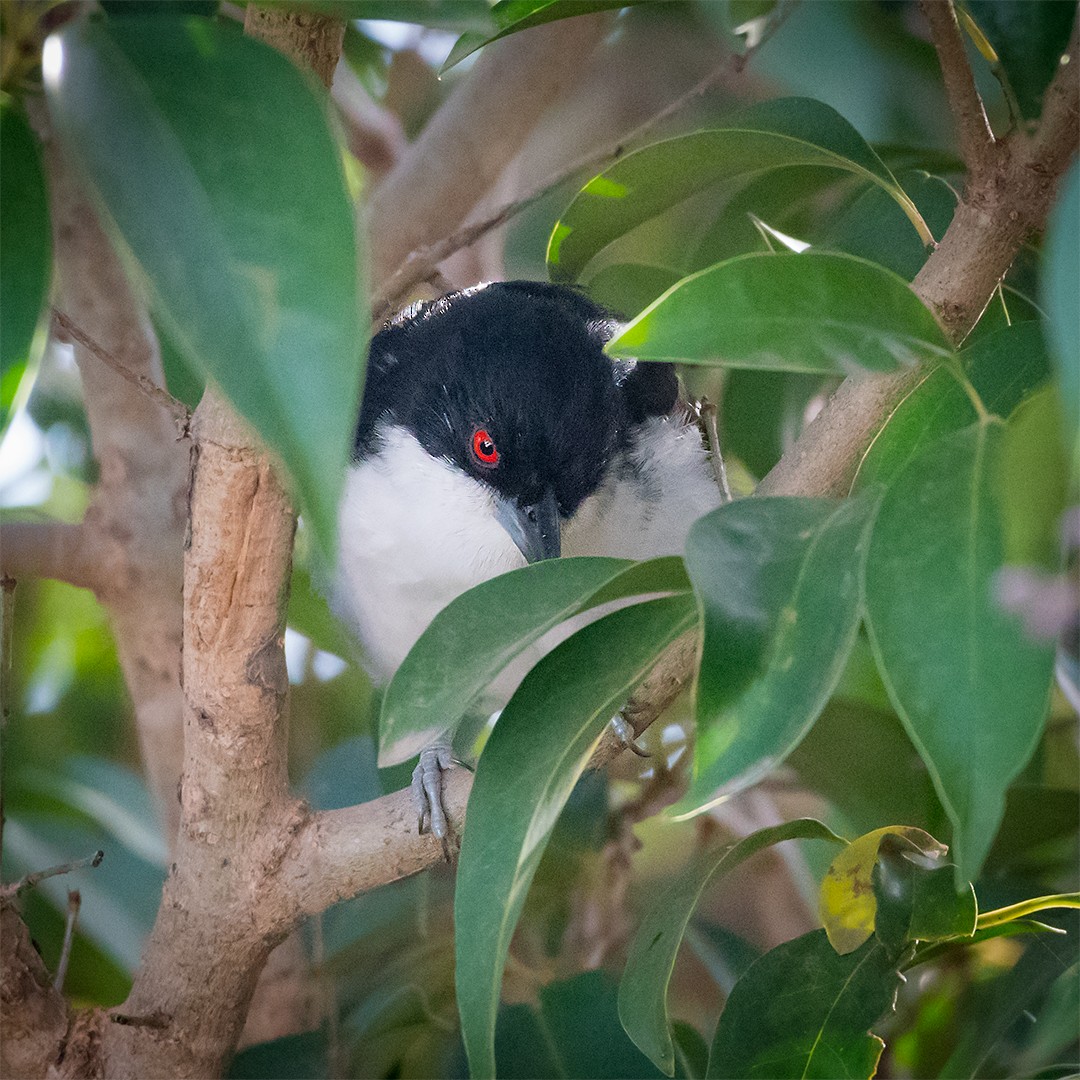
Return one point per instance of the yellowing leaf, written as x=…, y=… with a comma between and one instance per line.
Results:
x=847, y=905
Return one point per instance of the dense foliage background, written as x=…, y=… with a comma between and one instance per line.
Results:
x=879, y=667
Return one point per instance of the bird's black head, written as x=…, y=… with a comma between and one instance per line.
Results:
x=510, y=384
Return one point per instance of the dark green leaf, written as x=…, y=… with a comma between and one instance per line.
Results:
x=1007, y=307
x=535, y=755
x=26, y=251
x=292, y=1057
x=1060, y=288
x=968, y=683
x=804, y=1011
x=310, y=614
x=142, y=8
x=512, y=16
x=651, y=957
x=815, y=312
x=476, y=635
x=778, y=580
x=249, y=254
x=774, y=134
x=627, y=288
x=460, y=15
x=1029, y=40
x=1001, y=368
x=691, y=1051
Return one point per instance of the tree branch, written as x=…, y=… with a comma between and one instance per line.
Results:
x=51, y=549
x=977, y=145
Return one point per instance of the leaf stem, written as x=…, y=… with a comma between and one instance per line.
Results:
x=1025, y=908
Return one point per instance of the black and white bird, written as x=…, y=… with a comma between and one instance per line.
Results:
x=494, y=431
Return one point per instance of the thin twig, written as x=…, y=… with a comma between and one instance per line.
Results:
x=37, y=876
x=174, y=406
x=421, y=263
x=977, y=144
x=74, y=903
x=708, y=412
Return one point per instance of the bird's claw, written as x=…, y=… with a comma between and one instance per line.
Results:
x=427, y=793
x=627, y=737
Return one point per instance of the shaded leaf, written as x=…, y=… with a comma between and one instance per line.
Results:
x=969, y=685
x=803, y=1011
x=249, y=255
x=293, y=1057
x=1060, y=288
x=651, y=956
x=477, y=634
x=816, y=312
x=779, y=585
x=535, y=755
x=627, y=288
x=770, y=135
x=512, y=16
x=847, y=905
x=26, y=252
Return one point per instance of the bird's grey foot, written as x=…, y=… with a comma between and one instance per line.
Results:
x=427, y=790
x=624, y=732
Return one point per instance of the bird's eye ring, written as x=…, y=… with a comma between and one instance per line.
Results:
x=484, y=449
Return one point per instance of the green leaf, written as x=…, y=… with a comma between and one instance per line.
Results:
x=1029, y=40
x=1060, y=288
x=26, y=251
x=779, y=585
x=249, y=254
x=815, y=312
x=459, y=15
x=512, y=16
x=803, y=1010
x=651, y=957
x=535, y=755
x=1001, y=369
x=305, y=1056
x=771, y=135
x=477, y=634
x=627, y=288
x=969, y=685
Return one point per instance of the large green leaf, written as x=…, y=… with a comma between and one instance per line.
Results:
x=476, y=635
x=815, y=312
x=779, y=586
x=651, y=957
x=512, y=16
x=535, y=755
x=804, y=1011
x=1001, y=369
x=1060, y=288
x=25, y=250
x=771, y=135
x=249, y=254
x=968, y=683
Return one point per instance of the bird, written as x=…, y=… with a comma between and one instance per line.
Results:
x=494, y=431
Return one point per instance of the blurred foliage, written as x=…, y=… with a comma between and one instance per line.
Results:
x=996, y=422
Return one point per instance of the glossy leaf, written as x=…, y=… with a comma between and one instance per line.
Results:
x=1001, y=369
x=460, y=15
x=847, y=905
x=804, y=1011
x=969, y=685
x=535, y=755
x=779, y=585
x=816, y=312
x=26, y=251
x=771, y=135
x=249, y=255
x=1060, y=288
x=512, y=16
x=627, y=288
x=651, y=957
x=476, y=635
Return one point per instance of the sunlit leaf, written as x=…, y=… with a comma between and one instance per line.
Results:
x=535, y=755
x=816, y=312
x=26, y=251
x=651, y=956
x=968, y=683
x=249, y=254
x=476, y=635
x=779, y=585
x=771, y=135
x=803, y=1011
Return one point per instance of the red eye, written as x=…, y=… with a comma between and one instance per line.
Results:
x=483, y=448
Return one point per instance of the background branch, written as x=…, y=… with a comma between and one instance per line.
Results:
x=50, y=549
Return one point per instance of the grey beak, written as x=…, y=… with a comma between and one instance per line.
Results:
x=534, y=528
